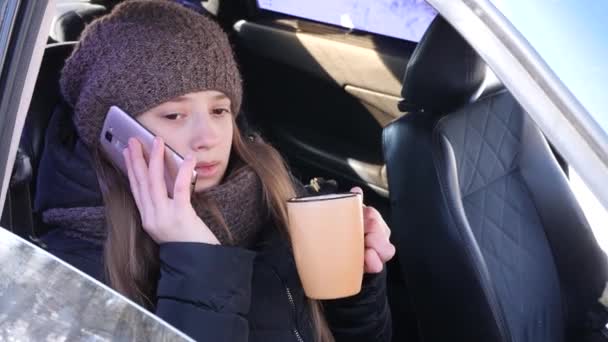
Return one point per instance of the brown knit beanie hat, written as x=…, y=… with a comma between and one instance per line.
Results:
x=144, y=53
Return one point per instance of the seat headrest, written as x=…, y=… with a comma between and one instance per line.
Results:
x=71, y=19
x=443, y=73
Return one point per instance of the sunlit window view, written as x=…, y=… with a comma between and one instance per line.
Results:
x=404, y=19
x=595, y=213
x=586, y=26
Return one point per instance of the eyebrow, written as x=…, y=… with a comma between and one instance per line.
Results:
x=179, y=99
x=220, y=97
x=217, y=97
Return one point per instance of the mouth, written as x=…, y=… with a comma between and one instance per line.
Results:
x=206, y=169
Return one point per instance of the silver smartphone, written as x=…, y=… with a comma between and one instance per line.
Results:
x=118, y=127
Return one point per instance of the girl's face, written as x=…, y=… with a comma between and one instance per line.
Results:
x=199, y=124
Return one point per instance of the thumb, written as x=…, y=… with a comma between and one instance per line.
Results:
x=357, y=190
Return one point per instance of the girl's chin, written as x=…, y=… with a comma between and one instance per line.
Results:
x=202, y=185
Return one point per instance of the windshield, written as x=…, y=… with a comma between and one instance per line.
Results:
x=571, y=36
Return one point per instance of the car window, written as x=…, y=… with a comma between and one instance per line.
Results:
x=571, y=40
x=7, y=13
x=405, y=19
x=16, y=48
x=8, y=10
x=596, y=214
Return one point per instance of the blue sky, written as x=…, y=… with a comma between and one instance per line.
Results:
x=572, y=37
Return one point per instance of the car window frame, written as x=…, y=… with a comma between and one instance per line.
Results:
x=22, y=49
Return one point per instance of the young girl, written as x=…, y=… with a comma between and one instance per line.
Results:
x=216, y=262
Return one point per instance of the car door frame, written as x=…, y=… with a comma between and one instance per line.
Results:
x=22, y=40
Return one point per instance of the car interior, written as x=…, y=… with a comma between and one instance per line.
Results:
x=491, y=244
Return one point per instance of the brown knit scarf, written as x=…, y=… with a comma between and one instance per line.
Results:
x=237, y=201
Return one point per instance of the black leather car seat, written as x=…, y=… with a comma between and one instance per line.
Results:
x=490, y=239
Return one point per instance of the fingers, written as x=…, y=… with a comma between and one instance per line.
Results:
x=181, y=190
x=158, y=189
x=380, y=243
x=377, y=236
x=359, y=191
x=372, y=219
x=373, y=264
x=131, y=176
x=140, y=171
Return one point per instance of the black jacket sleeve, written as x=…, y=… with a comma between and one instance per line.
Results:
x=205, y=290
x=362, y=317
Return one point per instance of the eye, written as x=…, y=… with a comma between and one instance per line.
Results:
x=174, y=116
x=220, y=111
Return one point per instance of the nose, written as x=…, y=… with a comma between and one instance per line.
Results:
x=204, y=134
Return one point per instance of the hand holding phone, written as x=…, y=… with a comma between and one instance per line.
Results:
x=118, y=127
x=164, y=219
x=161, y=181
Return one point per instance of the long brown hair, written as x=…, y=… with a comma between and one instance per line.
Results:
x=131, y=257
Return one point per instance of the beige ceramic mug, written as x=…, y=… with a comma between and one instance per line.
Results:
x=328, y=243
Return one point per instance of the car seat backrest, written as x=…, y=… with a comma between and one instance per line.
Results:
x=46, y=97
x=489, y=236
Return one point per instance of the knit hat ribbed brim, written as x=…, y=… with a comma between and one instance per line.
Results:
x=144, y=53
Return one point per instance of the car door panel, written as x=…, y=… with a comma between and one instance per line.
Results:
x=323, y=95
